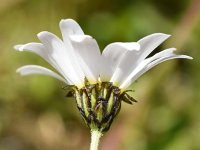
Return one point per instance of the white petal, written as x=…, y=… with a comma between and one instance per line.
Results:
x=63, y=57
x=147, y=64
x=40, y=50
x=69, y=27
x=132, y=58
x=150, y=42
x=34, y=69
x=106, y=70
x=89, y=55
x=33, y=47
x=160, y=60
x=17, y=47
x=141, y=67
x=126, y=64
x=120, y=46
x=115, y=51
x=114, y=54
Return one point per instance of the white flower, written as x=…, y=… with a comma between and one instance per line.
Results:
x=77, y=56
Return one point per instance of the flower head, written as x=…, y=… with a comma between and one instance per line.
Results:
x=99, y=79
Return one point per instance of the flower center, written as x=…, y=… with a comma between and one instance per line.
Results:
x=100, y=103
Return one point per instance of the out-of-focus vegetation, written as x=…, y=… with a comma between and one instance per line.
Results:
x=36, y=115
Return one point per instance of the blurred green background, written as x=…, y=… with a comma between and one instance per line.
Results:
x=36, y=115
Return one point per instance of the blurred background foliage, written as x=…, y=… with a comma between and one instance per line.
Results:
x=36, y=115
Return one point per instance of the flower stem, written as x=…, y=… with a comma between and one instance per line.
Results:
x=95, y=138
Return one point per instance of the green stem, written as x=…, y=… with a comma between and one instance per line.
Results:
x=95, y=138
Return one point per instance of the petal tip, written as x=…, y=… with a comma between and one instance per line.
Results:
x=173, y=49
x=70, y=27
x=62, y=21
x=67, y=22
x=19, y=47
x=189, y=57
x=185, y=57
x=40, y=34
x=163, y=34
x=19, y=71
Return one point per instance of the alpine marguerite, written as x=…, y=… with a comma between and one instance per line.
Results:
x=98, y=80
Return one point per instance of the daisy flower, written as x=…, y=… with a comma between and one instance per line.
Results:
x=98, y=80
